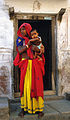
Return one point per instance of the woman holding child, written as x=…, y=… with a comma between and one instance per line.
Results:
x=32, y=71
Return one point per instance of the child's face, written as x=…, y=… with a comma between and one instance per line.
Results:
x=34, y=34
x=23, y=31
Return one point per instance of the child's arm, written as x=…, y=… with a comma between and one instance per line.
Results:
x=35, y=41
x=39, y=46
x=35, y=48
x=42, y=49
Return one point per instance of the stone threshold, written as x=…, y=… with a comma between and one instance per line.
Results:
x=46, y=98
x=53, y=110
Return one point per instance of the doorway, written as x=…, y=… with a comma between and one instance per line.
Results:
x=45, y=30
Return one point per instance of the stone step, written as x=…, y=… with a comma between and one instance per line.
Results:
x=53, y=110
x=46, y=98
x=4, y=109
x=53, y=97
x=68, y=96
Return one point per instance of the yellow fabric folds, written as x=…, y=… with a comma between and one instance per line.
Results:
x=30, y=105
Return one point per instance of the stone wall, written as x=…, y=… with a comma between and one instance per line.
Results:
x=37, y=6
x=6, y=51
x=63, y=43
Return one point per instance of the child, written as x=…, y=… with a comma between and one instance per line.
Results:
x=34, y=34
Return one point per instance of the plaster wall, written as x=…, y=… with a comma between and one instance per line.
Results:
x=63, y=43
x=7, y=41
x=38, y=6
x=6, y=51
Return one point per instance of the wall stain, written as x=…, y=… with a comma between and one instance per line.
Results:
x=4, y=77
x=36, y=5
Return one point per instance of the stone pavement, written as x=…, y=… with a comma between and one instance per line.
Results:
x=4, y=109
x=55, y=109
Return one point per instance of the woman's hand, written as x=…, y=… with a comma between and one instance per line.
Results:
x=29, y=43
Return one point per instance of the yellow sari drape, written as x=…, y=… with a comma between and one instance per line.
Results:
x=30, y=105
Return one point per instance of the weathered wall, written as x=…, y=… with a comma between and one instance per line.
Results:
x=63, y=43
x=6, y=41
x=6, y=51
x=39, y=6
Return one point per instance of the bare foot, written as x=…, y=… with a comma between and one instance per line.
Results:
x=21, y=114
x=41, y=114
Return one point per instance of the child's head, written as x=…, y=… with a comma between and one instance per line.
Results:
x=34, y=33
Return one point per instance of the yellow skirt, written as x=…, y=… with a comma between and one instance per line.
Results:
x=30, y=105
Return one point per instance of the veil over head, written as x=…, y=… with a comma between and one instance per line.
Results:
x=27, y=27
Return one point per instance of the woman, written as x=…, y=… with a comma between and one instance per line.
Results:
x=31, y=79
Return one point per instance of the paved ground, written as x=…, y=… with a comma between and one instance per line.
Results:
x=56, y=108
x=4, y=109
x=53, y=110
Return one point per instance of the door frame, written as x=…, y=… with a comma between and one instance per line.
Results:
x=38, y=16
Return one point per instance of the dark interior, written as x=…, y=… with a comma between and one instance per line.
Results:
x=44, y=29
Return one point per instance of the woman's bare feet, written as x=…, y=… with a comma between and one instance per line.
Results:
x=40, y=114
x=21, y=114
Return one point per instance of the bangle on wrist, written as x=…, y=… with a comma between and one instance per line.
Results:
x=27, y=46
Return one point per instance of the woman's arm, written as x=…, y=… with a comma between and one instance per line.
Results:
x=24, y=48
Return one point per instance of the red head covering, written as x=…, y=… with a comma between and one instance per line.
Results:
x=27, y=27
x=28, y=30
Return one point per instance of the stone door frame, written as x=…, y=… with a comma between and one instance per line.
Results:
x=40, y=16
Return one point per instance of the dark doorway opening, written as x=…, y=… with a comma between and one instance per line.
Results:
x=44, y=29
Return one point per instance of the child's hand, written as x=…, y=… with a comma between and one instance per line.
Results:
x=42, y=49
x=35, y=41
x=35, y=48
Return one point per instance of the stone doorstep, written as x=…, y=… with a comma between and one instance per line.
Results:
x=68, y=96
x=35, y=117
x=53, y=110
x=46, y=97
x=47, y=116
x=53, y=97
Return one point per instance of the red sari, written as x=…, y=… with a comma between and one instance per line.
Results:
x=37, y=68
